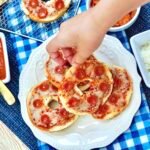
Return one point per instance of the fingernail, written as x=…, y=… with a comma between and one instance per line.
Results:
x=60, y=61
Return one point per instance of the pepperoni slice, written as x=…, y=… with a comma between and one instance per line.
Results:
x=92, y=100
x=37, y=103
x=42, y=12
x=99, y=70
x=59, y=4
x=67, y=86
x=44, y=86
x=117, y=82
x=104, y=86
x=80, y=73
x=33, y=3
x=113, y=99
x=73, y=102
x=103, y=109
x=60, y=69
x=64, y=113
x=45, y=119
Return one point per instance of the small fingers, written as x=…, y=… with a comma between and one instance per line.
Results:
x=69, y=59
x=80, y=57
x=59, y=42
x=68, y=51
x=60, y=60
x=61, y=49
x=53, y=45
x=54, y=55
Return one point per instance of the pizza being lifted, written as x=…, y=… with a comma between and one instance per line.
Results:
x=54, y=72
x=45, y=11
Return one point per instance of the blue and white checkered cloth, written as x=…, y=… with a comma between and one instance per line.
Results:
x=14, y=19
x=137, y=137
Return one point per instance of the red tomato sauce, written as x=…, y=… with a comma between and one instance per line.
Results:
x=2, y=62
x=125, y=19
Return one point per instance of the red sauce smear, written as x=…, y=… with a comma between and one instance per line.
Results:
x=2, y=62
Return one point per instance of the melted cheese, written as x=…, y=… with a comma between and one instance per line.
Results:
x=51, y=67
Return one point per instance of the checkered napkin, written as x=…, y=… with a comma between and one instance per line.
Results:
x=136, y=137
x=14, y=19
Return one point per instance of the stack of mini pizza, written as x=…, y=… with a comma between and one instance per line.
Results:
x=92, y=88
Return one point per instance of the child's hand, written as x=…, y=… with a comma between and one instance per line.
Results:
x=81, y=35
x=78, y=38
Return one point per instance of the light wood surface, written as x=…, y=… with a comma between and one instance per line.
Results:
x=9, y=141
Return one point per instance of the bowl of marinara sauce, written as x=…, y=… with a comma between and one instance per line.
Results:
x=123, y=23
x=4, y=63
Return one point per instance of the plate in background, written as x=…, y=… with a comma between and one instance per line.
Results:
x=136, y=42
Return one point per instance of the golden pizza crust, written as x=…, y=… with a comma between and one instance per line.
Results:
x=64, y=126
x=48, y=18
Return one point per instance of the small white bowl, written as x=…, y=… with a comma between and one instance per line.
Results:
x=123, y=27
x=136, y=42
x=128, y=24
x=7, y=78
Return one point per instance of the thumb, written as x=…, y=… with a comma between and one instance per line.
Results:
x=57, y=43
x=53, y=45
x=80, y=57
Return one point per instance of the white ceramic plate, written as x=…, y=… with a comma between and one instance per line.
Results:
x=87, y=132
x=123, y=27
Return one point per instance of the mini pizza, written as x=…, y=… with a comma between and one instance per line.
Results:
x=45, y=11
x=85, y=87
x=54, y=72
x=45, y=110
x=120, y=96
